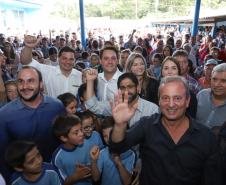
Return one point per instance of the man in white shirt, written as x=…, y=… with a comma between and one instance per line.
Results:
x=107, y=81
x=57, y=79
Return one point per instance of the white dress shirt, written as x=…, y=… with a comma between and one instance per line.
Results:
x=107, y=88
x=55, y=82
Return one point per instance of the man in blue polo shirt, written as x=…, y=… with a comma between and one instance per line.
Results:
x=30, y=116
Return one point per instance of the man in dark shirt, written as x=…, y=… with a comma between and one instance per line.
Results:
x=175, y=150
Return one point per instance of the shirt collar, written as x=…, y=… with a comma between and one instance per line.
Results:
x=21, y=105
x=114, y=77
x=192, y=124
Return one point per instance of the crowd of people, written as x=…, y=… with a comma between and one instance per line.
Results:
x=144, y=110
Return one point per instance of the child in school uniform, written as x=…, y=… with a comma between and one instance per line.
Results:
x=72, y=156
x=25, y=159
x=69, y=101
x=111, y=168
x=92, y=137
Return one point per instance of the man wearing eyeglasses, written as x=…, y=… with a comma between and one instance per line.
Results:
x=174, y=148
x=126, y=82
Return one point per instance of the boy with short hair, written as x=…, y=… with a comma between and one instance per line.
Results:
x=72, y=156
x=24, y=157
x=112, y=168
x=92, y=137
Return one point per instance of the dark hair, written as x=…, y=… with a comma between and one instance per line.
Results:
x=16, y=152
x=66, y=98
x=38, y=72
x=84, y=115
x=181, y=53
x=85, y=55
x=66, y=49
x=63, y=124
x=108, y=122
x=53, y=50
x=174, y=61
x=112, y=48
x=82, y=89
x=170, y=48
x=158, y=56
x=130, y=76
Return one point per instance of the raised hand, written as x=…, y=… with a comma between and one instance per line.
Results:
x=31, y=41
x=91, y=74
x=122, y=112
x=94, y=153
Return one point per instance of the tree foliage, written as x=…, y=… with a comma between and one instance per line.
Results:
x=132, y=9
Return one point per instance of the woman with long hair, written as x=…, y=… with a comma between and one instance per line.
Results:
x=136, y=64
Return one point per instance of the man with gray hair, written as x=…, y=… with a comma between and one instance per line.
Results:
x=211, y=108
x=174, y=148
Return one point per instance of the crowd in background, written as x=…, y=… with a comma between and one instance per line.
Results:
x=71, y=80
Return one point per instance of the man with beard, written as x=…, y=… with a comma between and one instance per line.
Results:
x=29, y=117
x=174, y=148
x=126, y=82
x=211, y=109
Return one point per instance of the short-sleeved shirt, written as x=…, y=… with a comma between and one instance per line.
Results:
x=94, y=139
x=20, y=122
x=207, y=113
x=49, y=176
x=65, y=161
x=106, y=166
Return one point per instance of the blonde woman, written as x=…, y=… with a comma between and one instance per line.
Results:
x=136, y=64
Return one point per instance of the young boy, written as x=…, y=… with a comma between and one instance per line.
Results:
x=112, y=168
x=91, y=136
x=72, y=157
x=26, y=160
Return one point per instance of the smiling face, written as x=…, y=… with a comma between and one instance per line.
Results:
x=173, y=101
x=109, y=61
x=67, y=61
x=28, y=84
x=11, y=92
x=87, y=126
x=169, y=68
x=138, y=67
x=218, y=84
x=127, y=85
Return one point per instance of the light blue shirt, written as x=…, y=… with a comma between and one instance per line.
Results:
x=65, y=160
x=106, y=166
x=49, y=176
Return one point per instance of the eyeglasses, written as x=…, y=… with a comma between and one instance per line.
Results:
x=87, y=128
